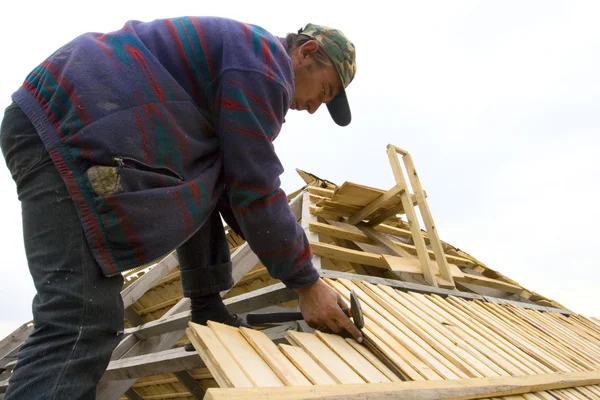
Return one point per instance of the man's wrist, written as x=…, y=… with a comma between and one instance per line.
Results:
x=305, y=289
x=304, y=278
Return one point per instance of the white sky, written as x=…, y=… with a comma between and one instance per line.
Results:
x=498, y=103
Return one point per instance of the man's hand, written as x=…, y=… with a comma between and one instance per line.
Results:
x=322, y=307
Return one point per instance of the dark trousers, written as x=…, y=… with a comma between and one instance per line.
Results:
x=77, y=311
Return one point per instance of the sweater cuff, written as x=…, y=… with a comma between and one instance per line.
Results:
x=303, y=278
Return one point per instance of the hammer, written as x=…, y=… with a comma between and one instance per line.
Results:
x=269, y=318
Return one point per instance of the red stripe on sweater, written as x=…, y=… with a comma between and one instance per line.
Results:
x=139, y=58
x=255, y=99
x=180, y=137
x=259, y=204
x=131, y=236
x=268, y=58
x=184, y=61
x=205, y=49
x=246, y=32
x=100, y=43
x=68, y=88
x=86, y=213
x=143, y=135
x=194, y=55
x=184, y=214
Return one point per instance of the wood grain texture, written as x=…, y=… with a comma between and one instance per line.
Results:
x=463, y=389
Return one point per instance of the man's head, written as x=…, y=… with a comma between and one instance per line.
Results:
x=324, y=62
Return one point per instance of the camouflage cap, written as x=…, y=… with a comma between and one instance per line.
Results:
x=343, y=54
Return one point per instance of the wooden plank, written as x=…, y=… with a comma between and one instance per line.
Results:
x=334, y=205
x=340, y=232
x=420, y=347
x=532, y=306
x=133, y=317
x=470, y=347
x=452, y=351
x=341, y=253
x=260, y=298
x=463, y=389
x=305, y=363
x=542, y=338
x=396, y=231
x=373, y=359
x=327, y=213
x=249, y=361
x=254, y=300
x=356, y=194
x=412, y=218
x=353, y=358
x=10, y=345
x=581, y=348
x=137, y=289
x=277, y=361
x=212, y=365
x=407, y=355
x=171, y=360
x=337, y=368
x=14, y=340
x=486, y=345
x=319, y=191
x=212, y=351
x=415, y=287
x=491, y=334
x=383, y=240
x=307, y=218
x=432, y=231
x=376, y=204
x=132, y=395
x=512, y=333
x=191, y=384
x=469, y=351
x=390, y=212
x=489, y=282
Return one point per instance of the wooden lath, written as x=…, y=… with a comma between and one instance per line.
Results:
x=367, y=208
x=441, y=342
x=362, y=226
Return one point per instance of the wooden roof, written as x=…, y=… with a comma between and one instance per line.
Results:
x=434, y=313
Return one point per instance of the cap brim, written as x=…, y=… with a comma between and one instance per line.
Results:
x=339, y=109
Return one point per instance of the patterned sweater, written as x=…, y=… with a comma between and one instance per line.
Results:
x=151, y=124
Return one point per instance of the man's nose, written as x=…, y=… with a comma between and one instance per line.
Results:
x=313, y=106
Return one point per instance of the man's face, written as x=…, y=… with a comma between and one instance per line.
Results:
x=314, y=83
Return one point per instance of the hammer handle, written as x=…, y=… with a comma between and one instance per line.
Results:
x=273, y=318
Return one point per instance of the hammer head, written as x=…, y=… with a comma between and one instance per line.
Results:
x=356, y=311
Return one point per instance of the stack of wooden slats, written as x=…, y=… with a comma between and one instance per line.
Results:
x=424, y=337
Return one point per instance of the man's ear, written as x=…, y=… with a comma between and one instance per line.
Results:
x=309, y=48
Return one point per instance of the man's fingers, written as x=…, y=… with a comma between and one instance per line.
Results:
x=341, y=302
x=354, y=331
x=349, y=326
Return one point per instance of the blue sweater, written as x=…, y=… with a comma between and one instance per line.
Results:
x=151, y=124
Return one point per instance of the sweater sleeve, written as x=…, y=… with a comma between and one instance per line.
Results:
x=249, y=108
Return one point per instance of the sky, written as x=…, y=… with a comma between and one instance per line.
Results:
x=497, y=102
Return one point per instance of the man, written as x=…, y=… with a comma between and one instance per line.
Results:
x=127, y=145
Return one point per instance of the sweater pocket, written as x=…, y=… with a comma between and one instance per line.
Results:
x=130, y=175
